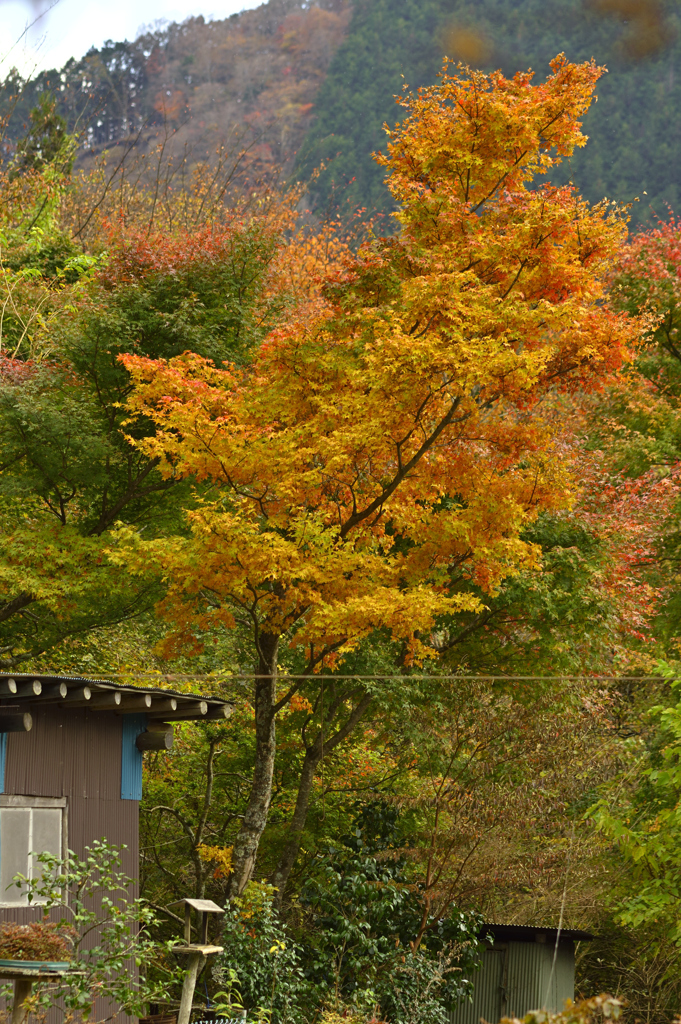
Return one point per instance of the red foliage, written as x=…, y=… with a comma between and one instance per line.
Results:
x=40, y=940
x=16, y=371
x=655, y=253
x=141, y=256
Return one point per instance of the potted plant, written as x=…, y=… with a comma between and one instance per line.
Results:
x=44, y=945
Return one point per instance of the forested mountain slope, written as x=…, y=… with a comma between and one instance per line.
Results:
x=195, y=83
x=634, y=128
x=307, y=82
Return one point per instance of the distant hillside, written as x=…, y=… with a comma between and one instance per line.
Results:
x=258, y=71
x=306, y=81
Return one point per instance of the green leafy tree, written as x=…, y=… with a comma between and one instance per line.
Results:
x=68, y=471
x=643, y=821
x=362, y=916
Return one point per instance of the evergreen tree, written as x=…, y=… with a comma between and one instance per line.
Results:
x=46, y=142
x=634, y=129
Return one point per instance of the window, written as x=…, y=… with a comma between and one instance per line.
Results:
x=28, y=825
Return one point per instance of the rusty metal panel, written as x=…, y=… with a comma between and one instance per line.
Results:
x=88, y=819
x=75, y=753
x=113, y=820
x=34, y=762
x=93, y=755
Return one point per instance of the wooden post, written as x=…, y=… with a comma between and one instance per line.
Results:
x=20, y=722
x=22, y=990
x=195, y=962
x=154, y=739
x=187, y=924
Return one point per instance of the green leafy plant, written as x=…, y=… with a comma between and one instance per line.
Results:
x=260, y=970
x=644, y=825
x=109, y=932
x=363, y=914
x=228, y=1001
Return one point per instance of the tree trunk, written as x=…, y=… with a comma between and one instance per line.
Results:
x=255, y=818
x=313, y=755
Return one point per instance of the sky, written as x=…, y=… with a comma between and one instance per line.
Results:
x=68, y=28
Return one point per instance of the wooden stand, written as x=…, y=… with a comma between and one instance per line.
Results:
x=196, y=951
x=197, y=955
x=22, y=990
x=23, y=978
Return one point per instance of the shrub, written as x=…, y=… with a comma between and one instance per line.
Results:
x=362, y=912
x=260, y=969
x=40, y=940
x=597, y=1010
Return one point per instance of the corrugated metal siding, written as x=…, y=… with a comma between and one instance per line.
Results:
x=131, y=757
x=67, y=753
x=487, y=993
x=114, y=820
x=525, y=974
x=77, y=754
x=517, y=977
x=91, y=755
x=558, y=983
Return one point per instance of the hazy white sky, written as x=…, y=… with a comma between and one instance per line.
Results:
x=68, y=28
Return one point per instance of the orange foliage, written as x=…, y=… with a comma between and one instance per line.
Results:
x=388, y=440
x=171, y=103
x=220, y=856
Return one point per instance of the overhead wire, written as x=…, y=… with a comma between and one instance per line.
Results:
x=211, y=677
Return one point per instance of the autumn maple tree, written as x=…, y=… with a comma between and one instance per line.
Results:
x=386, y=447
x=94, y=265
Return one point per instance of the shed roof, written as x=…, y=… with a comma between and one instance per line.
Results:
x=36, y=690
x=530, y=933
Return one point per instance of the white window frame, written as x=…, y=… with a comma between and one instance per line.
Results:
x=20, y=801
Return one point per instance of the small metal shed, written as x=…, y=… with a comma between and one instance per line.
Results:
x=523, y=968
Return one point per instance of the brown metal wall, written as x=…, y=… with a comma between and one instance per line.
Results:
x=66, y=753
x=77, y=754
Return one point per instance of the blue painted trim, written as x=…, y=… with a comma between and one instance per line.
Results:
x=3, y=758
x=131, y=757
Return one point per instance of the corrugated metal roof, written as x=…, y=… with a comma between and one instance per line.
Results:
x=531, y=933
x=104, y=694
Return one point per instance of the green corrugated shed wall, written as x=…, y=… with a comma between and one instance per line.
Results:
x=517, y=976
